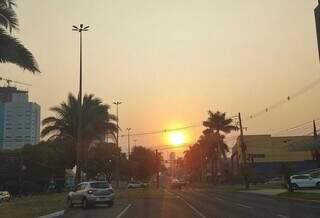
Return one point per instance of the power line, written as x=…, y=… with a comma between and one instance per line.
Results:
x=164, y=130
x=285, y=100
x=296, y=127
x=254, y=115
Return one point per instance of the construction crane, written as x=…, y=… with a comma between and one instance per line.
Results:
x=9, y=81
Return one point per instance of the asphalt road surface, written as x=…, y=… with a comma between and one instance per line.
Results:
x=202, y=203
x=224, y=204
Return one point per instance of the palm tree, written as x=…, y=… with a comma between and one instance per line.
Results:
x=215, y=124
x=192, y=158
x=96, y=121
x=209, y=145
x=11, y=49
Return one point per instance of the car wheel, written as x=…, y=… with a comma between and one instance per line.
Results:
x=85, y=203
x=110, y=203
x=295, y=186
x=69, y=203
x=318, y=185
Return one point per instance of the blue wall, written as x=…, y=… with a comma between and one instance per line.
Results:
x=270, y=168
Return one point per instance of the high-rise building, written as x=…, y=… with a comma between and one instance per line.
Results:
x=19, y=119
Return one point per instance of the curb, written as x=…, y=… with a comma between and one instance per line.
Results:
x=298, y=199
x=53, y=215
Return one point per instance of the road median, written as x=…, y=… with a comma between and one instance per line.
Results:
x=33, y=206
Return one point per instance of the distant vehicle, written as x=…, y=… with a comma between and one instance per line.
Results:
x=91, y=193
x=178, y=183
x=276, y=181
x=4, y=196
x=305, y=181
x=137, y=184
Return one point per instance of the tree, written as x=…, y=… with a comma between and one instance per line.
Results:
x=96, y=121
x=145, y=163
x=31, y=168
x=192, y=160
x=286, y=170
x=11, y=49
x=215, y=124
x=101, y=160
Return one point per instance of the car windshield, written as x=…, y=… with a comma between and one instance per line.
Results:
x=99, y=185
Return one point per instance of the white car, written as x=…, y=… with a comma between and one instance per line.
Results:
x=137, y=185
x=4, y=196
x=91, y=193
x=305, y=181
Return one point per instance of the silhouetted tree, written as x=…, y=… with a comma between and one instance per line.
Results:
x=101, y=160
x=215, y=124
x=96, y=121
x=145, y=163
x=31, y=168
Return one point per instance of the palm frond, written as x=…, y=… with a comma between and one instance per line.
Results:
x=8, y=18
x=12, y=51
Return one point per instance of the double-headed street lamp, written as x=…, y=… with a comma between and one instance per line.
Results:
x=79, y=29
x=117, y=103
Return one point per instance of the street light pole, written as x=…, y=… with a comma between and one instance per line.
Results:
x=128, y=142
x=117, y=103
x=79, y=29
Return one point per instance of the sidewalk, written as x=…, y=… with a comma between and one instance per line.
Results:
x=313, y=191
x=269, y=192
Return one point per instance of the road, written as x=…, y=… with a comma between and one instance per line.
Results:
x=219, y=203
x=201, y=203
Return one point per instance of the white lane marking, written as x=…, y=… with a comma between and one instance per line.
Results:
x=242, y=205
x=282, y=216
x=123, y=211
x=52, y=215
x=192, y=207
x=219, y=199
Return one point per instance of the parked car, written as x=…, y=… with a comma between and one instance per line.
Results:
x=137, y=184
x=304, y=181
x=4, y=196
x=91, y=193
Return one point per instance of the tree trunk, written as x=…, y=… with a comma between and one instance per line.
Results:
x=219, y=155
x=79, y=165
x=212, y=169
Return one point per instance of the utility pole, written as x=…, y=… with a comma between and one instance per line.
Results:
x=79, y=147
x=157, y=158
x=317, y=21
x=117, y=103
x=243, y=154
x=129, y=143
x=201, y=162
x=315, y=134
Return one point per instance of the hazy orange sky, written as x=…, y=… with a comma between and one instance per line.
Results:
x=170, y=61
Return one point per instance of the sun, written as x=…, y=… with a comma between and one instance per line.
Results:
x=176, y=138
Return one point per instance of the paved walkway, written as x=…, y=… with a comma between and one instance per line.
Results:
x=316, y=191
x=270, y=192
